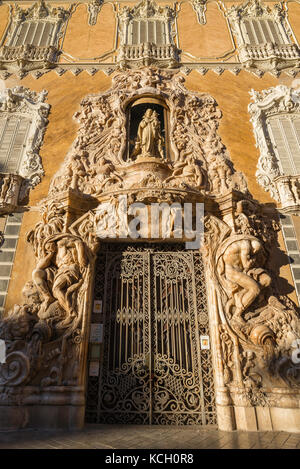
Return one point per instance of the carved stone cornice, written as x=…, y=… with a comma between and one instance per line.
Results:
x=273, y=101
x=24, y=103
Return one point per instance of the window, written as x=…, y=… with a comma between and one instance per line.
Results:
x=263, y=34
x=259, y=31
x=275, y=115
x=38, y=33
x=285, y=137
x=23, y=118
x=40, y=25
x=13, y=135
x=148, y=31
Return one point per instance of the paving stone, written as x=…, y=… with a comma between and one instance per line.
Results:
x=112, y=437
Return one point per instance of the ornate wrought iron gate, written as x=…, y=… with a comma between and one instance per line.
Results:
x=153, y=370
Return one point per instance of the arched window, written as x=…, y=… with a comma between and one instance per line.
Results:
x=135, y=114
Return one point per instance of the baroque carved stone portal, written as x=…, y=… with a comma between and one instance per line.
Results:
x=253, y=323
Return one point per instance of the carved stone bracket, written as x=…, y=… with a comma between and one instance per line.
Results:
x=272, y=102
x=94, y=8
x=20, y=102
x=200, y=8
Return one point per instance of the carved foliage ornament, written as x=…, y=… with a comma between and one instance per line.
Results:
x=279, y=100
x=94, y=8
x=95, y=163
x=200, y=8
x=24, y=103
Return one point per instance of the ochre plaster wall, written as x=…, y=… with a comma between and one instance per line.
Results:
x=83, y=41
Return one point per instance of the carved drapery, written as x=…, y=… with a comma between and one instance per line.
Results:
x=26, y=57
x=280, y=100
x=252, y=325
x=268, y=56
x=20, y=102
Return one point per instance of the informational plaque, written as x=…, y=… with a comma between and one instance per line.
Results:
x=94, y=369
x=96, y=334
x=204, y=342
x=97, y=306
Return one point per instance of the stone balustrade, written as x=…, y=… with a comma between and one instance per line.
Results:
x=288, y=188
x=10, y=186
x=269, y=51
x=28, y=56
x=148, y=53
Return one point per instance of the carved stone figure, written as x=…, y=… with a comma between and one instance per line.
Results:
x=149, y=139
x=243, y=279
x=58, y=275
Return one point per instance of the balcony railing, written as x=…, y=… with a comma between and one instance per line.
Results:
x=269, y=51
x=28, y=56
x=10, y=186
x=288, y=188
x=149, y=53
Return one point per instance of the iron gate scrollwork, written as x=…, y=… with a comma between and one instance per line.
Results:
x=153, y=370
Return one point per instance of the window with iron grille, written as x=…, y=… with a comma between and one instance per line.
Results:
x=38, y=33
x=260, y=31
x=284, y=131
x=154, y=31
x=13, y=136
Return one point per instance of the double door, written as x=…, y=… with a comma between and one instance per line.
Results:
x=153, y=369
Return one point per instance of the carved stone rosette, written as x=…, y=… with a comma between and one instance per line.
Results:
x=251, y=326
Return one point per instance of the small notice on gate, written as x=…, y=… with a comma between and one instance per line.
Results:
x=96, y=335
x=94, y=369
x=97, y=306
x=204, y=342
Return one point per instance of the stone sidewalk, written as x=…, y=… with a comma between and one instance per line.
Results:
x=109, y=437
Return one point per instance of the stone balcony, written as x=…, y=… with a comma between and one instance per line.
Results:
x=288, y=188
x=268, y=54
x=27, y=57
x=147, y=53
x=10, y=187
